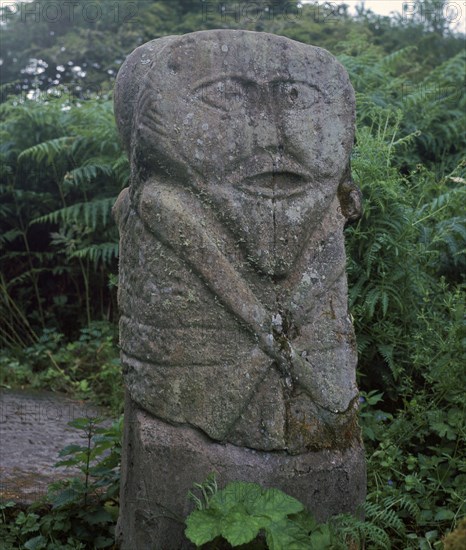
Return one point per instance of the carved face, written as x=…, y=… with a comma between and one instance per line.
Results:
x=257, y=125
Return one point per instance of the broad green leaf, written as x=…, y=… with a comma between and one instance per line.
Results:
x=203, y=526
x=70, y=462
x=321, y=539
x=240, y=528
x=103, y=542
x=425, y=517
x=275, y=504
x=37, y=543
x=443, y=514
x=81, y=423
x=235, y=493
x=305, y=520
x=98, y=516
x=28, y=522
x=67, y=496
x=286, y=534
x=431, y=535
x=72, y=449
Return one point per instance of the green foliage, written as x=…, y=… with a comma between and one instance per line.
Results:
x=247, y=515
x=430, y=106
x=406, y=295
x=240, y=511
x=207, y=489
x=406, y=272
x=384, y=251
x=88, y=367
x=416, y=467
x=79, y=513
x=63, y=170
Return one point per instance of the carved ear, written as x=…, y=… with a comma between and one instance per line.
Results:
x=129, y=81
x=350, y=198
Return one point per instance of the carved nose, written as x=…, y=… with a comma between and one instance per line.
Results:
x=268, y=135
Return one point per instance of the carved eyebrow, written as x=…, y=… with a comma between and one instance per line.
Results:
x=293, y=81
x=208, y=80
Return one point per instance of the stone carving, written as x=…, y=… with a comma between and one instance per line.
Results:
x=232, y=277
x=232, y=287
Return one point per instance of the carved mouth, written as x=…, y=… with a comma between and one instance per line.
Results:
x=274, y=185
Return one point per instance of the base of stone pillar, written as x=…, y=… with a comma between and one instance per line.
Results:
x=161, y=462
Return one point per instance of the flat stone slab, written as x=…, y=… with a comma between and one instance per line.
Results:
x=33, y=429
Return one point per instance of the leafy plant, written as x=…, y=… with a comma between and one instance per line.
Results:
x=250, y=516
x=241, y=510
x=63, y=169
x=79, y=513
x=88, y=367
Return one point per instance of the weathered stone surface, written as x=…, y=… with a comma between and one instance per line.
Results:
x=234, y=323
x=153, y=510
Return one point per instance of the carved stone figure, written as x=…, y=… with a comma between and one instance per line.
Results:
x=234, y=324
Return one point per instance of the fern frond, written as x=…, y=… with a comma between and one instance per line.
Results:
x=366, y=534
x=10, y=236
x=47, y=150
x=390, y=62
x=98, y=253
x=402, y=502
x=26, y=276
x=89, y=214
x=122, y=170
x=386, y=351
x=87, y=172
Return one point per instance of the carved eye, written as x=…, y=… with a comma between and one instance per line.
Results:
x=296, y=95
x=227, y=94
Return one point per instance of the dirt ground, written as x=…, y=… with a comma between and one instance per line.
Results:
x=33, y=429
